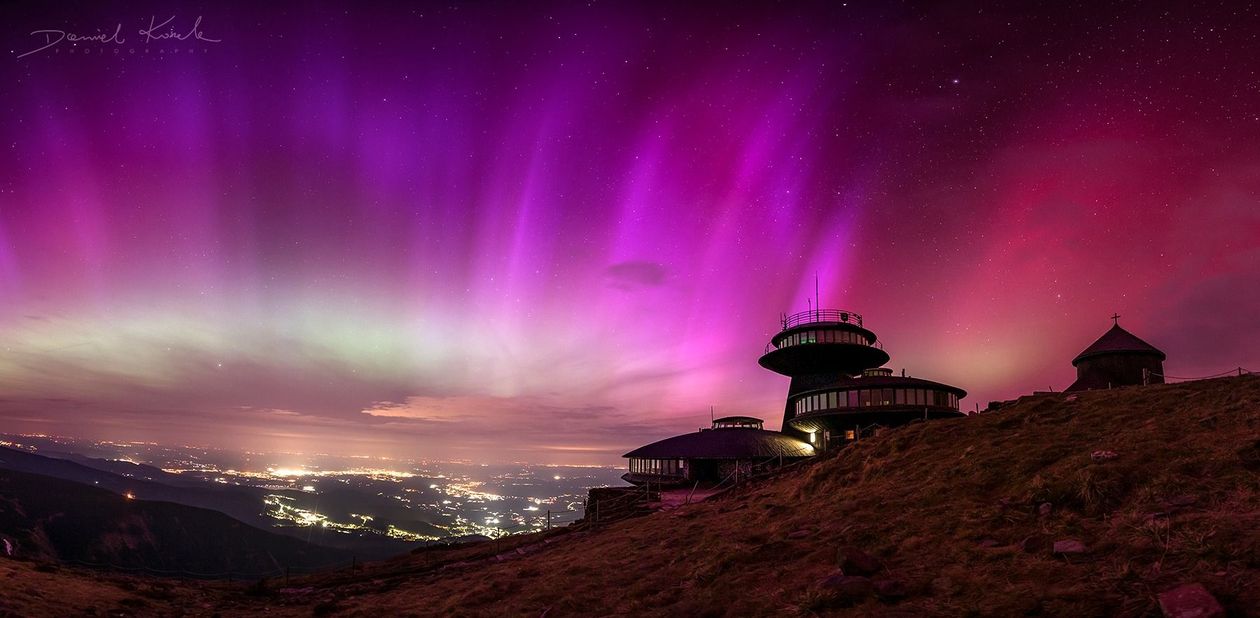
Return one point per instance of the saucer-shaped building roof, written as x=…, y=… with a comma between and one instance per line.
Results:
x=725, y=443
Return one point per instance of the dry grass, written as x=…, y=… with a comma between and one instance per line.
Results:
x=1181, y=502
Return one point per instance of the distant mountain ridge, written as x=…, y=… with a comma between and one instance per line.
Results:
x=54, y=519
x=243, y=503
x=126, y=468
x=239, y=502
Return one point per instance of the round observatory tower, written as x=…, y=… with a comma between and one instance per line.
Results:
x=838, y=391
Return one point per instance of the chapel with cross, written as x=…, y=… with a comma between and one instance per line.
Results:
x=1118, y=358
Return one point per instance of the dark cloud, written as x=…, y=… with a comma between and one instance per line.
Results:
x=636, y=274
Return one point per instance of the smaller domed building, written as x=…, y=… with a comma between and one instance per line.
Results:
x=733, y=446
x=1118, y=358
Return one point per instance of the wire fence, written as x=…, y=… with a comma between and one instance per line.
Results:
x=612, y=509
x=1236, y=371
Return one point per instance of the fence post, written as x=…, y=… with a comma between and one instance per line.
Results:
x=548, y=519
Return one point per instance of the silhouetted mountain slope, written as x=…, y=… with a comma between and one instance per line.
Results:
x=57, y=519
x=1160, y=486
x=125, y=468
x=243, y=503
x=238, y=502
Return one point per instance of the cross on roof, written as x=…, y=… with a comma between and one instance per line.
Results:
x=1115, y=319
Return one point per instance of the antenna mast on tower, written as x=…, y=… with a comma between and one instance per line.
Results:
x=817, y=299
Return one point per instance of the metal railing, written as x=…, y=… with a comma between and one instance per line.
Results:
x=770, y=346
x=820, y=315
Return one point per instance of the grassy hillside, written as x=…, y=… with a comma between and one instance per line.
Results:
x=1160, y=484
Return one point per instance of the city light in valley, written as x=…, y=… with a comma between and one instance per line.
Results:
x=406, y=500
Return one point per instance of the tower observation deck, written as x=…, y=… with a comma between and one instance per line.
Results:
x=822, y=340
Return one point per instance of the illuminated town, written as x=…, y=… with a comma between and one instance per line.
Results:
x=412, y=501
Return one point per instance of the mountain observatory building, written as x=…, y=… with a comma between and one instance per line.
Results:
x=840, y=392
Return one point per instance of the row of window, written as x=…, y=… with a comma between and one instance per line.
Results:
x=657, y=466
x=822, y=336
x=876, y=397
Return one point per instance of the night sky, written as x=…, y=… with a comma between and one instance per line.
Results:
x=553, y=233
